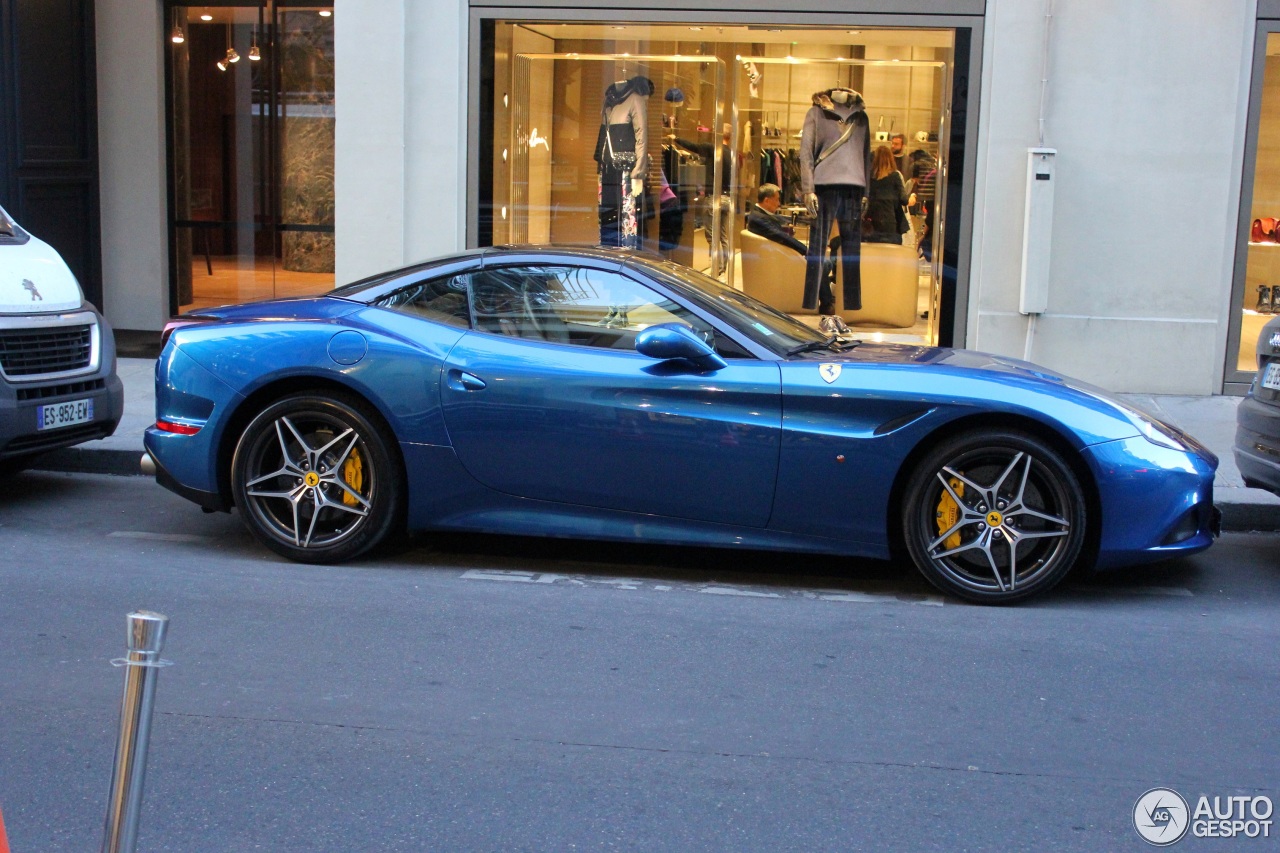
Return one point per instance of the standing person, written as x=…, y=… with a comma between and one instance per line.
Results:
x=886, y=197
x=924, y=174
x=898, y=147
x=721, y=205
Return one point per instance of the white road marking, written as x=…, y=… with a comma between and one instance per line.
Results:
x=841, y=596
x=746, y=593
x=159, y=537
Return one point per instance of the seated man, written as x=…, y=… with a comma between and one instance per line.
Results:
x=763, y=220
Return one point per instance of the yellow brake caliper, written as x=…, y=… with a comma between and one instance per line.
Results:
x=949, y=514
x=353, y=476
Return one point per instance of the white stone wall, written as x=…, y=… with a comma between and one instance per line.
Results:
x=1146, y=106
x=130, y=42
x=401, y=123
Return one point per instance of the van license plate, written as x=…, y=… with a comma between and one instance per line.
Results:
x=57, y=415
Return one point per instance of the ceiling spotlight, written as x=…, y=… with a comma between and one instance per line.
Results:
x=178, y=37
x=254, y=53
x=206, y=17
x=325, y=13
x=222, y=65
x=232, y=56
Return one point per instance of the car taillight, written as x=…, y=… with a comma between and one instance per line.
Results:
x=178, y=323
x=180, y=429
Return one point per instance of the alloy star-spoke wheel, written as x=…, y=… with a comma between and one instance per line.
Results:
x=994, y=516
x=310, y=476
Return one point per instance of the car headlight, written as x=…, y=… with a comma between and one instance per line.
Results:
x=1157, y=432
x=1152, y=428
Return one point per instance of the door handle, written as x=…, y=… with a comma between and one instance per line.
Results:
x=462, y=381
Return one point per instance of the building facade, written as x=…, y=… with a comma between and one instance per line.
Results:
x=353, y=138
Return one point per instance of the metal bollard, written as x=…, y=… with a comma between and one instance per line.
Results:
x=146, y=639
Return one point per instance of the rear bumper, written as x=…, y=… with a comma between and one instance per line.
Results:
x=1257, y=444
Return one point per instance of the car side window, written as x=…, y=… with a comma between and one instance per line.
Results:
x=572, y=305
x=443, y=299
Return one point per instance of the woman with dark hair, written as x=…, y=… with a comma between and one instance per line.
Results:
x=886, y=220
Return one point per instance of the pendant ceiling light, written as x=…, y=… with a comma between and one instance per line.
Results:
x=254, y=53
x=178, y=36
x=232, y=56
x=222, y=65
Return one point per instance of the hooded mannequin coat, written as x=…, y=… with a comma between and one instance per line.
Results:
x=824, y=124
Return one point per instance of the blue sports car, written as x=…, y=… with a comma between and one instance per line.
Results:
x=608, y=394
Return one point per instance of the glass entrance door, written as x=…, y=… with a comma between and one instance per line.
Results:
x=251, y=142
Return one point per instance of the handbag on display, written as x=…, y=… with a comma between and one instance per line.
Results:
x=1263, y=231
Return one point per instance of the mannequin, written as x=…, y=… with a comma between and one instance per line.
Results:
x=622, y=159
x=835, y=170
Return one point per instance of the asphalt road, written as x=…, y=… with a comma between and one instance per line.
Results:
x=474, y=694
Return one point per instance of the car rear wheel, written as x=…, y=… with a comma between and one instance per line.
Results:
x=994, y=516
x=315, y=480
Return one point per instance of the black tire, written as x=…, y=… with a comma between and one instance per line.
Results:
x=960, y=541
x=316, y=479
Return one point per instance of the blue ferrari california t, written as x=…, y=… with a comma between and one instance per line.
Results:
x=613, y=395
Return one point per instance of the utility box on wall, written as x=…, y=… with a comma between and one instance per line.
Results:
x=1037, y=231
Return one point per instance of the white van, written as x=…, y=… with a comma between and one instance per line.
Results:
x=58, y=383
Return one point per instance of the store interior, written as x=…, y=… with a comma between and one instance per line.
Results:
x=252, y=117
x=717, y=112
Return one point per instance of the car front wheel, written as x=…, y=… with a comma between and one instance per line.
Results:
x=994, y=516
x=315, y=480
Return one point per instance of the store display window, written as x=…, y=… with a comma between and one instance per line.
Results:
x=728, y=149
x=1261, y=298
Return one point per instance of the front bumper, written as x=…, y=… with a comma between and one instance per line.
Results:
x=1257, y=444
x=1156, y=502
x=20, y=398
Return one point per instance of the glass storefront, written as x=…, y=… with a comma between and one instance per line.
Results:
x=251, y=151
x=690, y=141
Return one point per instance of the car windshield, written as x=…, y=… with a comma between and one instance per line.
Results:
x=10, y=231
x=765, y=325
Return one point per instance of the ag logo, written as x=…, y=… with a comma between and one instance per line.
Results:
x=1161, y=817
x=829, y=372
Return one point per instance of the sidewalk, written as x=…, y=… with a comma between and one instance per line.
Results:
x=1210, y=419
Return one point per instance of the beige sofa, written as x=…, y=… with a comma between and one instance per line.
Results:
x=774, y=274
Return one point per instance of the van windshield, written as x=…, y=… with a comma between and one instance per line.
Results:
x=11, y=233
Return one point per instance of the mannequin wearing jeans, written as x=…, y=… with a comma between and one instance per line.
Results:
x=835, y=167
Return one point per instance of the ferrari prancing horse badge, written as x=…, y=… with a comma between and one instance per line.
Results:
x=829, y=372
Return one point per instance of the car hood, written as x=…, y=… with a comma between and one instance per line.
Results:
x=976, y=364
x=35, y=279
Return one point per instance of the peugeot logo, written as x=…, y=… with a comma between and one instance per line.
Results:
x=30, y=286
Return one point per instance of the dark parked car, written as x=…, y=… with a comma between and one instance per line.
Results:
x=58, y=383
x=1257, y=448
x=614, y=395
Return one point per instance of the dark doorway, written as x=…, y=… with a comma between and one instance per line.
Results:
x=49, y=129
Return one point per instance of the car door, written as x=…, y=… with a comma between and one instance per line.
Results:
x=546, y=398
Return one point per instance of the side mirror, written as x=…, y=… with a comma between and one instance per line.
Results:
x=666, y=341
